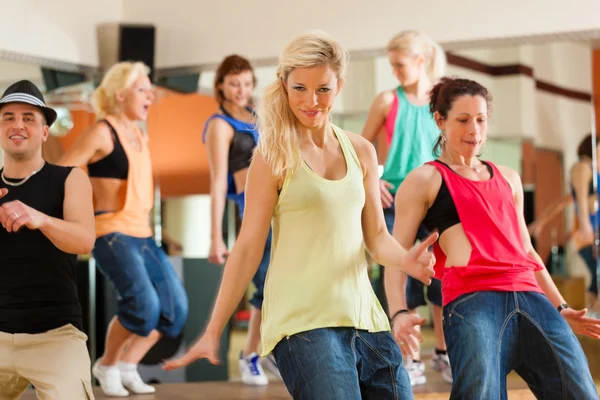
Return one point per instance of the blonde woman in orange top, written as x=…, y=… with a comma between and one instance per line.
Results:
x=151, y=299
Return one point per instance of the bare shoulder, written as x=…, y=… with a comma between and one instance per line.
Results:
x=423, y=182
x=219, y=126
x=78, y=174
x=511, y=176
x=424, y=176
x=261, y=169
x=581, y=167
x=362, y=146
x=77, y=180
x=385, y=98
x=99, y=130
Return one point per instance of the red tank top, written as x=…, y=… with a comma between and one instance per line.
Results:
x=488, y=214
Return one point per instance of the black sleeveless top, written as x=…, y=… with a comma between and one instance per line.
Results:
x=38, y=290
x=442, y=214
x=115, y=165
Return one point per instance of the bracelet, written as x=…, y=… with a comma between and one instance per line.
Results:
x=562, y=307
x=403, y=311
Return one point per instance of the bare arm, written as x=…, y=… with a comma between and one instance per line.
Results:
x=548, y=214
x=218, y=140
x=542, y=276
x=261, y=197
x=581, y=175
x=411, y=205
x=384, y=249
x=377, y=113
x=75, y=233
x=575, y=318
x=96, y=139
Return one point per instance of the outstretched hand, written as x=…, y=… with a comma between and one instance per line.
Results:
x=404, y=330
x=419, y=261
x=582, y=324
x=206, y=347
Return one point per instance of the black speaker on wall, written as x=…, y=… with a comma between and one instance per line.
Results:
x=137, y=43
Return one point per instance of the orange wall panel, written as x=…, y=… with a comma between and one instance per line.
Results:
x=175, y=127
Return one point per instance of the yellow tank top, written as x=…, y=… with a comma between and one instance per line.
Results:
x=134, y=218
x=318, y=272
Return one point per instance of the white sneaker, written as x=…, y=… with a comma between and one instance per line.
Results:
x=251, y=370
x=441, y=363
x=132, y=380
x=271, y=365
x=416, y=372
x=109, y=378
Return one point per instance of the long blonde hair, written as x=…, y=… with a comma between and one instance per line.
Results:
x=417, y=43
x=119, y=77
x=279, y=141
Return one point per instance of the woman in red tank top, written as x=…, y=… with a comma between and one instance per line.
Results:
x=502, y=311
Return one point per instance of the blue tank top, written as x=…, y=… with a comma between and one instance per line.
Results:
x=244, y=141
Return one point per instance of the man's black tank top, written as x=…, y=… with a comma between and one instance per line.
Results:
x=38, y=290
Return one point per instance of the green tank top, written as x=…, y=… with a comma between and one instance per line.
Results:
x=415, y=133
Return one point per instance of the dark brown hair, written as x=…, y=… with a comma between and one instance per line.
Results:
x=585, y=146
x=231, y=65
x=444, y=94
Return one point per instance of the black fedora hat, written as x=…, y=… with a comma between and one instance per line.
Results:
x=26, y=92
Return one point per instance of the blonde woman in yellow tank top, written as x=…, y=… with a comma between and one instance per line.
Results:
x=319, y=187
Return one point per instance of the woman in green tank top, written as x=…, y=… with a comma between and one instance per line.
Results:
x=406, y=132
x=318, y=186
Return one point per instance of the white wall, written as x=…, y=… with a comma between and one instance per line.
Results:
x=187, y=221
x=63, y=30
x=11, y=72
x=192, y=32
x=198, y=32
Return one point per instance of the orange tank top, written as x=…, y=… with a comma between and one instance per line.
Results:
x=134, y=218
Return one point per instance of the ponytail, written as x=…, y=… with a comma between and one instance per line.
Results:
x=437, y=62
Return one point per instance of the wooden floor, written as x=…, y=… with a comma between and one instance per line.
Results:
x=434, y=389
x=238, y=391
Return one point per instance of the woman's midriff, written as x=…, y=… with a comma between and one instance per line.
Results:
x=239, y=177
x=109, y=194
x=456, y=246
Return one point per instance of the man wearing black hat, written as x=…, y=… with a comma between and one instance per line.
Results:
x=47, y=219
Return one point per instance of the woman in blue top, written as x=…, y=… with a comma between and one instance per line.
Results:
x=231, y=136
x=583, y=195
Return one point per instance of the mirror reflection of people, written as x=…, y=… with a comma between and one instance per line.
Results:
x=502, y=311
x=151, y=299
x=410, y=132
x=46, y=220
x=582, y=195
x=321, y=318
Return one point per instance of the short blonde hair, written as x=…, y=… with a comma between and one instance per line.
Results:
x=119, y=77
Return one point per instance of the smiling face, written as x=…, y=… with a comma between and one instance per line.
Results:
x=465, y=127
x=137, y=99
x=311, y=94
x=23, y=129
x=237, y=88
